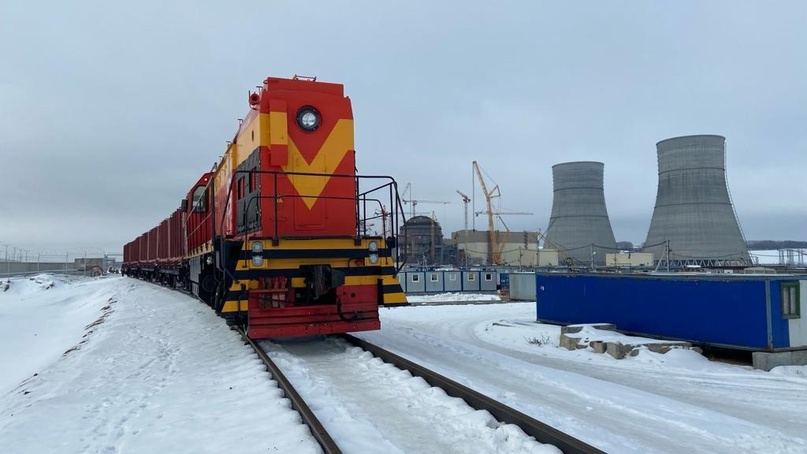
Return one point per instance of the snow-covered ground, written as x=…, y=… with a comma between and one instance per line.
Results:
x=116, y=365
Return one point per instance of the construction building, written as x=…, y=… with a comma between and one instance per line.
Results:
x=513, y=248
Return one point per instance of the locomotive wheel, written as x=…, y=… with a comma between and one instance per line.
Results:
x=218, y=300
x=207, y=289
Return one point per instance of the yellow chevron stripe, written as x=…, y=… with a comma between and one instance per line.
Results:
x=331, y=154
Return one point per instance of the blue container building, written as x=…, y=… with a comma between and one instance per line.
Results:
x=453, y=280
x=747, y=312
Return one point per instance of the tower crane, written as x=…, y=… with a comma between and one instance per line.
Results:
x=414, y=202
x=465, y=200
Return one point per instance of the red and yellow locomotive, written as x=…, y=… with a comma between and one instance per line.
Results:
x=277, y=237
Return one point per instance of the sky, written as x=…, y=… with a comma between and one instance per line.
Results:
x=110, y=112
x=127, y=371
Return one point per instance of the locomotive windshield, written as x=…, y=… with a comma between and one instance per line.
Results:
x=199, y=200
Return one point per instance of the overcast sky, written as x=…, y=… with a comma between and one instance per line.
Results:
x=110, y=111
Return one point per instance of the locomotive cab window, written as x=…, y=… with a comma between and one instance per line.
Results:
x=791, y=300
x=240, y=191
x=253, y=180
x=199, y=200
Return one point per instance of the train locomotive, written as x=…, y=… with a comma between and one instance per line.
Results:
x=281, y=236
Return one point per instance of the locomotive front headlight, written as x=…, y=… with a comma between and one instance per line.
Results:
x=257, y=253
x=373, y=246
x=373, y=258
x=308, y=118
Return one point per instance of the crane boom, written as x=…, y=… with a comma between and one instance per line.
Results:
x=493, y=250
x=465, y=201
x=414, y=202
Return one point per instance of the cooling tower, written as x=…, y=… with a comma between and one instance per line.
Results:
x=579, y=222
x=693, y=207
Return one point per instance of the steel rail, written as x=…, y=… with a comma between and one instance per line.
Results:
x=531, y=426
x=297, y=403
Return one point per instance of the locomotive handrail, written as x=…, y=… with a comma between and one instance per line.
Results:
x=396, y=215
x=361, y=211
x=399, y=207
x=256, y=198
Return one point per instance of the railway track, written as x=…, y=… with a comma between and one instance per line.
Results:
x=297, y=403
x=504, y=414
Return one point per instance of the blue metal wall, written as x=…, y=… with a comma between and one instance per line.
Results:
x=740, y=312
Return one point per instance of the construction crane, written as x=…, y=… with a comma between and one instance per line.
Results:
x=499, y=214
x=464, y=244
x=413, y=202
x=493, y=256
x=494, y=244
x=501, y=240
x=465, y=200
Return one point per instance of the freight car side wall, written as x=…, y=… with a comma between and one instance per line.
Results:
x=741, y=313
x=164, y=245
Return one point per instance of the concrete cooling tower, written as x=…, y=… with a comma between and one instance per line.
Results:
x=579, y=218
x=693, y=207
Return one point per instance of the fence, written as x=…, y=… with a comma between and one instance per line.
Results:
x=20, y=262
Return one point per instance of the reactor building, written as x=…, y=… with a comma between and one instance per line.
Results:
x=579, y=227
x=694, y=222
x=421, y=240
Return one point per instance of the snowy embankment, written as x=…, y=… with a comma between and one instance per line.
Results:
x=159, y=373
